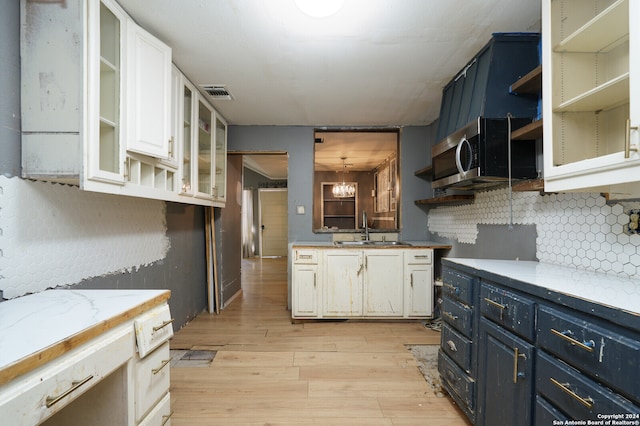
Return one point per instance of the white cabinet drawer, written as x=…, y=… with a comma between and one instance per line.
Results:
x=153, y=329
x=418, y=256
x=160, y=415
x=45, y=391
x=152, y=379
x=305, y=256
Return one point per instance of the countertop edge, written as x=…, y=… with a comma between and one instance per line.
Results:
x=609, y=312
x=51, y=352
x=331, y=245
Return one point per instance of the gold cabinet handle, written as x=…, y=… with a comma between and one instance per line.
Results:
x=164, y=364
x=51, y=400
x=496, y=304
x=627, y=139
x=163, y=325
x=421, y=256
x=453, y=288
x=567, y=335
x=450, y=315
x=452, y=346
x=166, y=418
x=587, y=402
x=314, y=279
x=516, y=355
x=411, y=280
x=305, y=256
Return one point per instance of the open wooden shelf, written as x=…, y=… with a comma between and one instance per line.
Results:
x=529, y=185
x=530, y=84
x=425, y=172
x=530, y=131
x=447, y=199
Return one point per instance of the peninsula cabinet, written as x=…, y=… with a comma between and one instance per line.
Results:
x=380, y=283
x=100, y=105
x=591, y=96
x=553, y=344
x=98, y=357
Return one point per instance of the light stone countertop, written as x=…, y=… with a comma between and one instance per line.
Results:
x=564, y=283
x=330, y=244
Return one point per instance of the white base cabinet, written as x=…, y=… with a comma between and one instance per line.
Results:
x=418, y=283
x=362, y=283
x=80, y=371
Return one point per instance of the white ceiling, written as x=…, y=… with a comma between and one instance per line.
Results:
x=374, y=63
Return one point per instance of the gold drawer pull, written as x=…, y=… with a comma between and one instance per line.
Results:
x=496, y=304
x=163, y=325
x=166, y=418
x=305, y=256
x=587, y=402
x=421, y=256
x=51, y=400
x=453, y=288
x=567, y=335
x=164, y=364
x=452, y=346
x=450, y=316
x=516, y=355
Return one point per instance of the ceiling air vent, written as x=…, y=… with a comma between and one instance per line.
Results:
x=217, y=91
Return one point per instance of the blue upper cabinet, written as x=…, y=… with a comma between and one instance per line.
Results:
x=481, y=88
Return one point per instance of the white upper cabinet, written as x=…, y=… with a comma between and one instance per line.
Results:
x=591, y=95
x=148, y=93
x=220, y=186
x=104, y=108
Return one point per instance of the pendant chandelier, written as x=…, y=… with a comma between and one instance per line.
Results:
x=344, y=190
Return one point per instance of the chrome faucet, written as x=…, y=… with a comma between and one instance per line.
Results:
x=365, y=225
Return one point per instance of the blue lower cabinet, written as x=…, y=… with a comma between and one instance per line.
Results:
x=576, y=395
x=459, y=385
x=515, y=353
x=546, y=414
x=505, y=377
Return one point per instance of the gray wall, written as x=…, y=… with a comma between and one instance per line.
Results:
x=10, y=89
x=183, y=271
x=415, y=143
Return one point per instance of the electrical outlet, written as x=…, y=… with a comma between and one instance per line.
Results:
x=633, y=227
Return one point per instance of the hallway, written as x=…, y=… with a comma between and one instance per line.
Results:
x=267, y=370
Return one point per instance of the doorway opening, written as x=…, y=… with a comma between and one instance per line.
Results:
x=264, y=205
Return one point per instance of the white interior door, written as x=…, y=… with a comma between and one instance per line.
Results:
x=273, y=222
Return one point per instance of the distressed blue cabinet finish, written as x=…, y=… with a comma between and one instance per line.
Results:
x=505, y=377
x=601, y=350
x=519, y=352
x=572, y=392
x=457, y=355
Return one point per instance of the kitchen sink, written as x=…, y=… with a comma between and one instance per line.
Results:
x=372, y=243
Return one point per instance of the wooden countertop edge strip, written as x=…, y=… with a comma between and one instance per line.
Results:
x=56, y=350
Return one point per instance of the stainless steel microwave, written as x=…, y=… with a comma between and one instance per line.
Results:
x=477, y=155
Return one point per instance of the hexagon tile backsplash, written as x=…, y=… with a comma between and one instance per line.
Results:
x=54, y=235
x=574, y=229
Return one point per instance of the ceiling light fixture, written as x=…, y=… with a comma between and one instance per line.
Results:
x=319, y=8
x=343, y=190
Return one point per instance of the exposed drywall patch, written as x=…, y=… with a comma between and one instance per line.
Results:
x=54, y=235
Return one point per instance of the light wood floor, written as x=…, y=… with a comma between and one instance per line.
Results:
x=269, y=371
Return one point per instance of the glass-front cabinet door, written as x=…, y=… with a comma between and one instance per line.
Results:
x=108, y=164
x=204, y=146
x=220, y=186
x=187, y=137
